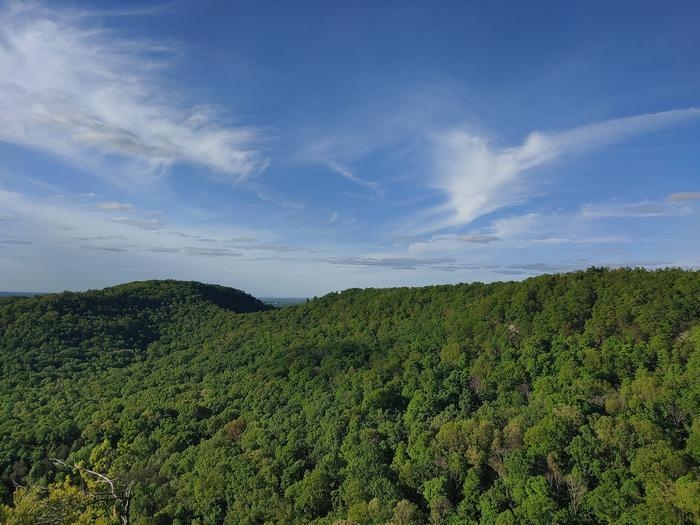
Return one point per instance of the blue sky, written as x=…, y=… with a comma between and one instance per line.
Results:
x=293, y=148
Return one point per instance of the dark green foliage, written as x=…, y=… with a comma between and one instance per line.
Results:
x=561, y=399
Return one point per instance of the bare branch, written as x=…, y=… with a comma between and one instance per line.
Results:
x=121, y=498
x=16, y=485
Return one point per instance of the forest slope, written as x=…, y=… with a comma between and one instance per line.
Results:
x=562, y=399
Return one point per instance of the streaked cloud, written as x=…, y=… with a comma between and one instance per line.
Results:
x=100, y=237
x=282, y=248
x=478, y=238
x=278, y=200
x=113, y=249
x=14, y=241
x=56, y=223
x=531, y=229
x=351, y=176
x=343, y=220
x=519, y=225
x=71, y=88
x=684, y=196
x=639, y=209
x=115, y=206
x=479, y=179
x=150, y=224
x=396, y=263
x=210, y=252
x=243, y=238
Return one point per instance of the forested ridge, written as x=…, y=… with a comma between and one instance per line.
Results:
x=570, y=398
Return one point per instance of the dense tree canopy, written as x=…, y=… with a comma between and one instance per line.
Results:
x=562, y=399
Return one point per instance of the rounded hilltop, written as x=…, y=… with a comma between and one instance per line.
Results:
x=225, y=297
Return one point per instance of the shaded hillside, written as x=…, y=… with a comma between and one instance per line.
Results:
x=562, y=399
x=58, y=334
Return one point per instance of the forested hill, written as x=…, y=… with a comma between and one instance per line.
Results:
x=562, y=399
x=56, y=334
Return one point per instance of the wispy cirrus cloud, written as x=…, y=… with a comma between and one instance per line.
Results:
x=394, y=122
x=479, y=179
x=73, y=89
x=55, y=223
x=684, y=196
x=278, y=200
x=14, y=241
x=478, y=238
x=345, y=172
x=150, y=224
x=342, y=220
x=395, y=263
x=582, y=227
x=115, y=206
x=637, y=209
x=531, y=229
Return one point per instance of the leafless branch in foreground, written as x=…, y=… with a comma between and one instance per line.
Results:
x=120, y=492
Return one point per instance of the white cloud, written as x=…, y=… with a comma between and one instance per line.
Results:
x=279, y=201
x=637, y=209
x=684, y=196
x=478, y=238
x=522, y=231
x=55, y=224
x=151, y=224
x=114, y=206
x=515, y=227
x=393, y=120
x=343, y=220
x=479, y=179
x=396, y=263
x=74, y=89
x=85, y=245
x=351, y=176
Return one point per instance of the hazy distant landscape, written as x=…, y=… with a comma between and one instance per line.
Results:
x=282, y=301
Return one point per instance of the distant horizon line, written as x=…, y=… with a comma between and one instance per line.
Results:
x=524, y=277
x=13, y=293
